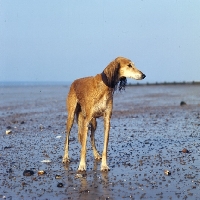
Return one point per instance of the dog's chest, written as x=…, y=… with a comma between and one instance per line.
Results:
x=101, y=105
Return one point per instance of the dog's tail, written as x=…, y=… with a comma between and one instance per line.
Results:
x=71, y=108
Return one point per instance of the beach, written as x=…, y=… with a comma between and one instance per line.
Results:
x=148, y=135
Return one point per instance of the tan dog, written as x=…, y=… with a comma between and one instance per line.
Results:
x=92, y=97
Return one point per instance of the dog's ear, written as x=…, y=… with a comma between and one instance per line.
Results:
x=111, y=72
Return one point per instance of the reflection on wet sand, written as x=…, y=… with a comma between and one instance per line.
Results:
x=88, y=184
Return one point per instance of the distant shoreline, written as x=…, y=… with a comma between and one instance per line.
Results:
x=32, y=83
x=165, y=83
x=67, y=83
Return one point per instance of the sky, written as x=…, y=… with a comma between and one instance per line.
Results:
x=62, y=40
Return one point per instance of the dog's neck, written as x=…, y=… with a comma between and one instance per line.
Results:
x=106, y=82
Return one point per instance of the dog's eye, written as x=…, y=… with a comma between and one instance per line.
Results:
x=130, y=65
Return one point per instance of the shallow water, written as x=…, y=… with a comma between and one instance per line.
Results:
x=149, y=130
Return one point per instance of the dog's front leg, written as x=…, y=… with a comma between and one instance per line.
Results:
x=82, y=165
x=104, y=166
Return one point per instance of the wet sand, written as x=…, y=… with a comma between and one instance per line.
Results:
x=149, y=131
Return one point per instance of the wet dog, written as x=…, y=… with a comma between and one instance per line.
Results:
x=92, y=97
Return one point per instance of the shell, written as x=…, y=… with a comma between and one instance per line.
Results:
x=41, y=172
x=8, y=131
x=167, y=172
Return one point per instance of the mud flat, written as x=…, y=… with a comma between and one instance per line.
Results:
x=149, y=133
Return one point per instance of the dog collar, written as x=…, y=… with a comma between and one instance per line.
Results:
x=105, y=81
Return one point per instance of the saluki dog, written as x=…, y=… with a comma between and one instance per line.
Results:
x=92, y=97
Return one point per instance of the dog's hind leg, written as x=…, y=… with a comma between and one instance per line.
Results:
x=80, y=120
x=71, y=107
x=83, y=138
x=93, y=128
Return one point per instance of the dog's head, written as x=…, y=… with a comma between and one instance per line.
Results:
x=128, y=69
x=120, y=69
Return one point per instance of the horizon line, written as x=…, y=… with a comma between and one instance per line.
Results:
x=35, y=83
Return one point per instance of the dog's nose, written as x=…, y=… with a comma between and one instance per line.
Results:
x=143, y=76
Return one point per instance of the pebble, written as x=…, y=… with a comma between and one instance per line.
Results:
x=28, y=172
x=60, y=185
x=185, y=150
x=183, y=103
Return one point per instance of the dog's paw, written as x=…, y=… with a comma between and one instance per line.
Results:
x=97, y=157
x=82, y=167
x=65, y=160
x=105, y=168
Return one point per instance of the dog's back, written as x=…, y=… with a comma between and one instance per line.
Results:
x=89, y=96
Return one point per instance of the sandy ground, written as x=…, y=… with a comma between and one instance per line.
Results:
x=149, y=131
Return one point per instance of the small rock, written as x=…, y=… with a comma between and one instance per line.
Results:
x=185, y=150
x=24, y=184
x=60, y=185
x=9, y=170
x=41, y=127
x=28, y=172
x=183, y=103
x=72, y=139
x=7, y=147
